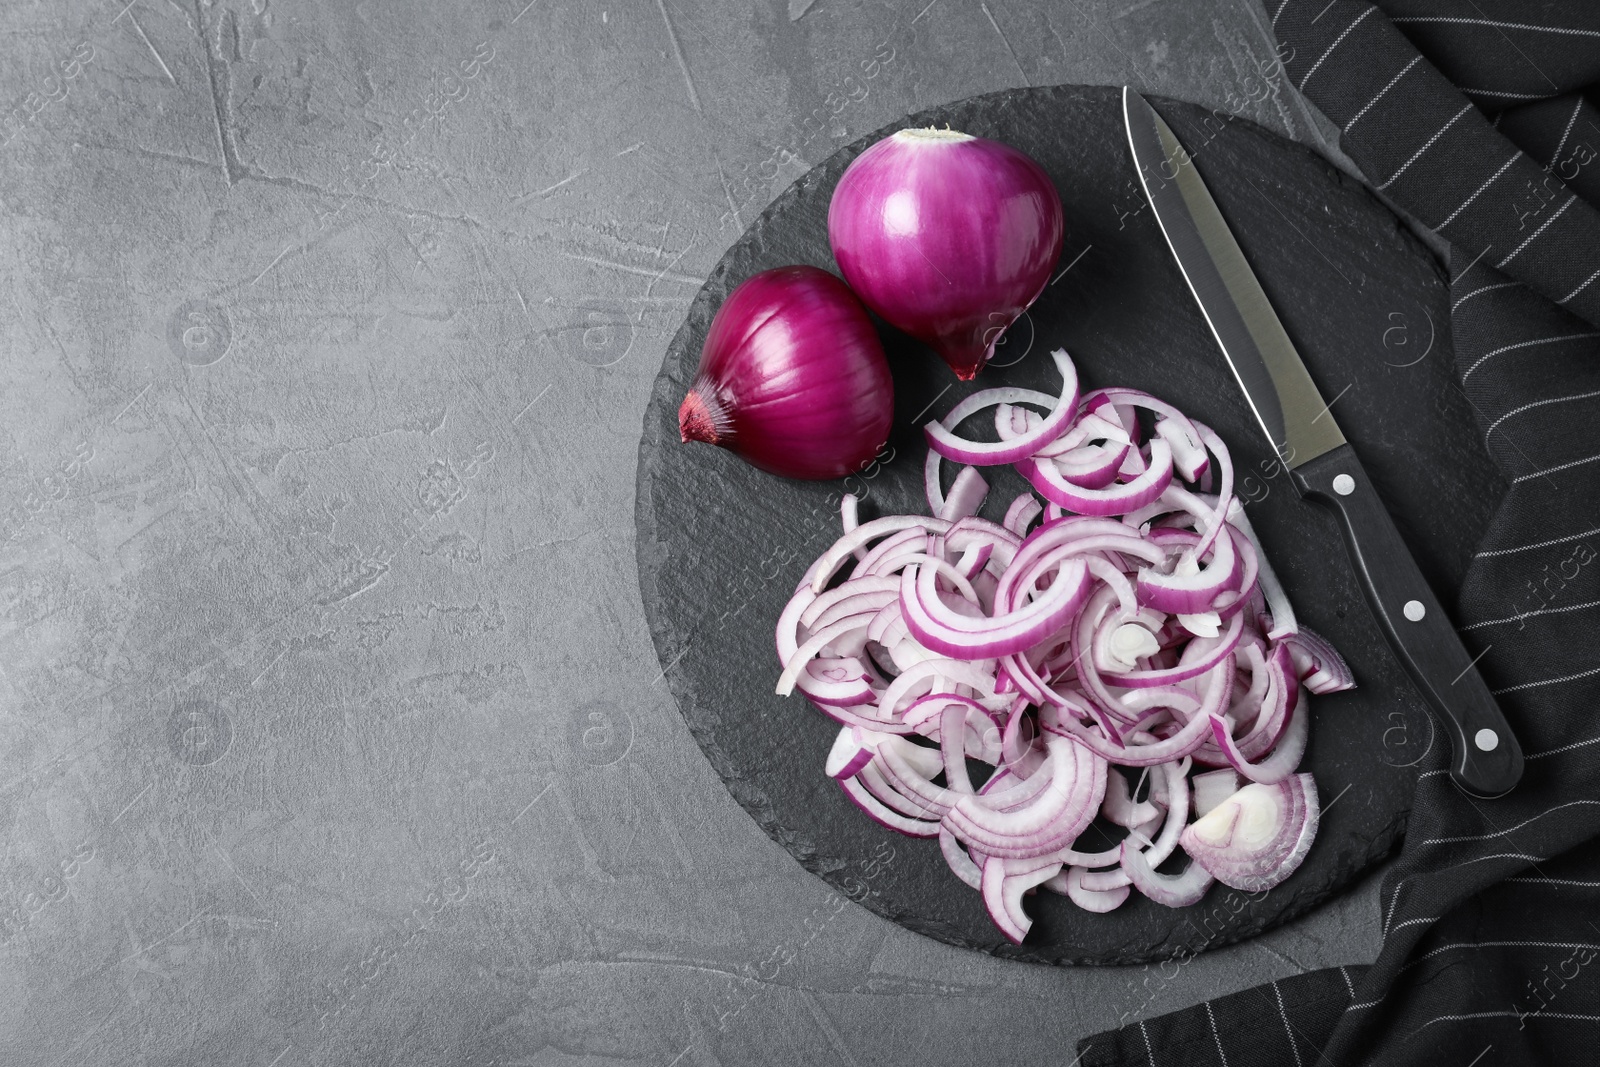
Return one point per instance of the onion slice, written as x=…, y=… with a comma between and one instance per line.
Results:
x=948, y=445
x=1259, y=836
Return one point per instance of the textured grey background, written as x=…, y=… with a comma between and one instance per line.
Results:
x=330, y=728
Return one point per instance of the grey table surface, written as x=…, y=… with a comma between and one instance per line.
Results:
x=330, y=727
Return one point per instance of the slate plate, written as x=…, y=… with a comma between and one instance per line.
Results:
x=721, y=546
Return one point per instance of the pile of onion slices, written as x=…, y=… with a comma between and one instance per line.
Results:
x=1118, y=656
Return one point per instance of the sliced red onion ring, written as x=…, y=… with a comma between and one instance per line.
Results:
x=958, y=859
x=1192, y=587
x=840, y=681
x=848, y=755
x=1219, y=649
x=1276, y=767
x=1091, y=466
x=1021, y=513
x=1099, y=901
x=883, y=816
x=1318, y=664
x=1188, y=453
x=940, y=629
x=1283, y=620
x=1213, y=787
x=1062, y=412
x=1173, y=891
x=1120, y=808
x=829, y=563
x=1112, y=500
x=1002, y=895
x=966, y=495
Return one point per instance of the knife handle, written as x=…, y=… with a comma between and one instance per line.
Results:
x=1486, y=760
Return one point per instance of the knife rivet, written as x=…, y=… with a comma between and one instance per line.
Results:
x=1487, y=740
x=1344, y=485
x=1414, y=610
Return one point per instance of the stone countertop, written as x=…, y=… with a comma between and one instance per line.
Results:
x=330, y=727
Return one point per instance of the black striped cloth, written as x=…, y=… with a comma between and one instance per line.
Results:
x=1472, y=116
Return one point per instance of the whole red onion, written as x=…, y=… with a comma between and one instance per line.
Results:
x=792, y=377
x=946, y=236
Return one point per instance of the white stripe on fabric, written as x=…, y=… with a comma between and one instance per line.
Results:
x=1538, y=404
x=1485, y=289
x=1525, y=344
x=1552, y=470
x=1280, y=11
x=1590, y=673
x=1498, y=24
x=1506, y=96
x=1556, y=881
x=1344, y=972
x=1337, y=41
x=1283, y=1014
x=1212, y=1016
x=1586, y=282
x=1368, y=107
x=1507, y=1014
x=1541, y=611
x=1573, y=121
x=1465, y=203
x=1563, y=748
x=1509, y=829
x=1414, y=922
x=1367, y=1004
x=1150, y=1053
x=1545, y=226
x=1496, y=944
x=1529, y=548
x=1426, y=145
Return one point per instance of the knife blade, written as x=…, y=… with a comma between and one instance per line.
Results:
x=1486, y=760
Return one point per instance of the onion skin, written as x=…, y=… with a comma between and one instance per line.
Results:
x=792, y=378
x=948, y=237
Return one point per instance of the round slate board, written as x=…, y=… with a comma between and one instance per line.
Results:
x=721, y=545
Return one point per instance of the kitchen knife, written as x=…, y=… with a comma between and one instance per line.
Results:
x=1486, y=760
